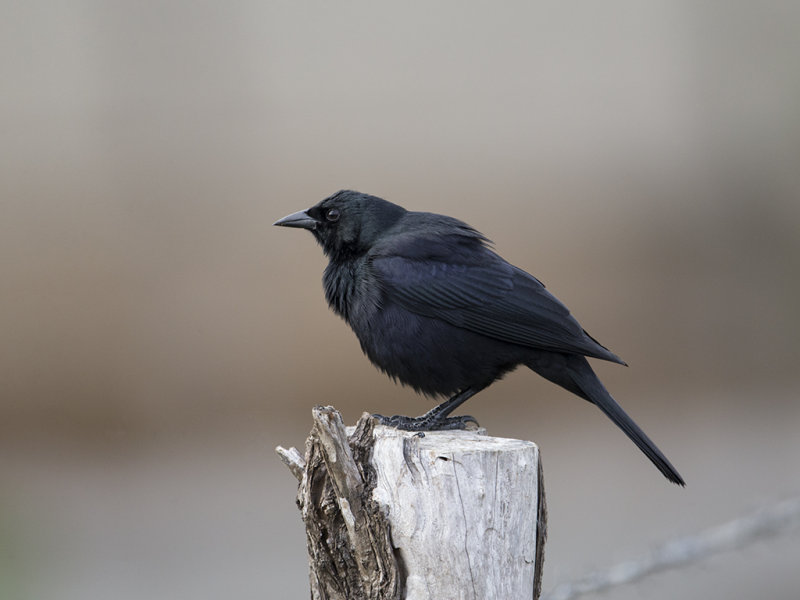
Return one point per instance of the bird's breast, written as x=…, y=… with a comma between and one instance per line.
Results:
x=428, y=354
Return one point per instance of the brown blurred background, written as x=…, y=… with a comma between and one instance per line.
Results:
x=159, y=337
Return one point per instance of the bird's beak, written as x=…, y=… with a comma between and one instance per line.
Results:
x=299, y=219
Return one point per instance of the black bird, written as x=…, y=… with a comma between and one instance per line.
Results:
x=436, y=308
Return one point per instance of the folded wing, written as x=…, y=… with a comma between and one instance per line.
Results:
x=459, y=280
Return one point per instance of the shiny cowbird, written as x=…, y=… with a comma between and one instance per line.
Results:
x=437, y=309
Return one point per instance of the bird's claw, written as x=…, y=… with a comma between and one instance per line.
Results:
x=428, y=422
x=460, y=422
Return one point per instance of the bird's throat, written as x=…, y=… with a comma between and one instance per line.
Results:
x=340, y=281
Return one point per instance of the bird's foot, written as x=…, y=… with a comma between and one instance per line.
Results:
x=428, y=422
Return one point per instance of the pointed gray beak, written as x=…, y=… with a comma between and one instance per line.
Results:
x=299, y=219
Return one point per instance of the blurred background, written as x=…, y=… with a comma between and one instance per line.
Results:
x=160, y=338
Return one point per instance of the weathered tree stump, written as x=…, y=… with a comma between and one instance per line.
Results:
x=391, y=514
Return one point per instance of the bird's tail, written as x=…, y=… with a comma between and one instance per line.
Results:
x=579, y=378
x=596, y=393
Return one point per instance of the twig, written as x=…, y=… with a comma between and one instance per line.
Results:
x=292, y=459
x=764, y=522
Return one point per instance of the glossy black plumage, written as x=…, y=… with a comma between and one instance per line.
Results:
x=436, y=308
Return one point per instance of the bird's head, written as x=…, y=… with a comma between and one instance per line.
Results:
x=347, y=223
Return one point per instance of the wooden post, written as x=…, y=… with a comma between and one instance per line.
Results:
x=395, y=515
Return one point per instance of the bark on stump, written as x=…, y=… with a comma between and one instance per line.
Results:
x=393, y=515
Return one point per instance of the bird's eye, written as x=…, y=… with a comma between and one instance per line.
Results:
x=333, y=215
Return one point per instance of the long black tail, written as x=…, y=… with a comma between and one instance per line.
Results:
x=577, y=376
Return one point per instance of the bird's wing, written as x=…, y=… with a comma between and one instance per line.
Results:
x=462, y=282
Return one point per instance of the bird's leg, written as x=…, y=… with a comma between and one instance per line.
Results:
x=437, y=418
